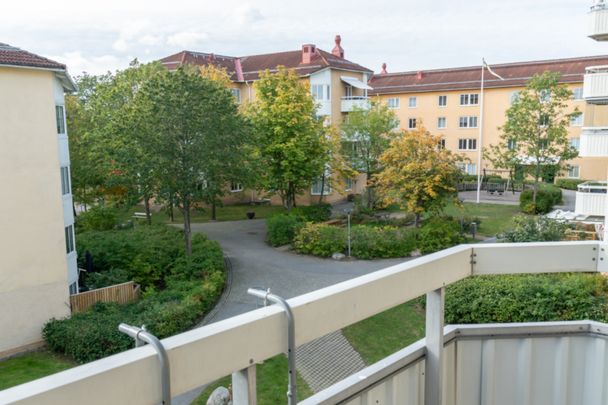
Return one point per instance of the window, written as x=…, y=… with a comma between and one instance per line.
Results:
x=577, y=93
x=544, y=120
x=467, y=144
x=545, y=96
x=469, y=99
x=348, y=184
x=575, y=143
x=69, y=239
x=511, y=144
x=442, y=101
x=441, y=144
x=412, y=102
x=237, y=95
x=348, y=92
x=65, y=180
x=468, y=168
x=514, y=97
x=574, y=172
x=576, y=121
x=73, y=288
x=235, y=186
x=467, y=122
x=411, y=123
x=393, y=103
x=316, y=187
x=441, y=123
x=60, y=117
x=317, y=91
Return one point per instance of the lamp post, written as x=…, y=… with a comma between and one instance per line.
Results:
x=348, y=211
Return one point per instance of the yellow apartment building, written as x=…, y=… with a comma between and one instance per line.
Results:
x=447, y=103
x=337, y=84
x=38, y=267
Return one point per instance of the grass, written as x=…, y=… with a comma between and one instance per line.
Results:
x=31, y=366
x=385, y=333
x=271, y=383
x=495, y=218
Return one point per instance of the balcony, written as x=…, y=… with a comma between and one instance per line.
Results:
x=595, y=86
x=349, y=103
x=591, y=199
x=594, y=142
x=538, y=363
x=599, y=21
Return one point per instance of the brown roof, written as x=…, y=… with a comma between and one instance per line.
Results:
x=515, y=75
x=12, y=56
x=252, y=65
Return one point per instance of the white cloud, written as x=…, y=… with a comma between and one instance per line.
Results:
x=248, y=14
x=120, y=45
x=78, y=63
x=187, y=39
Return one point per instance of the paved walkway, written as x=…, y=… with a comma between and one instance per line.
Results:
x=508, y=198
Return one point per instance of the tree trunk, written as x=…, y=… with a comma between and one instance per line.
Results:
x=322, y=188
x=213, y=211
x=417, y=220
x=148, y=213
x=187, y=230
x=536, y=177
x=171, y=208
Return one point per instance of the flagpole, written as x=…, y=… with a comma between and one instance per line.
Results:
x=479, y=146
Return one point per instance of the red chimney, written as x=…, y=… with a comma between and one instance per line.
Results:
x=338, y=51
x=419, y=75
x=308, y=50
x=383, y=71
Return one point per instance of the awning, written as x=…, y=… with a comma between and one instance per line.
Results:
x=355, y=83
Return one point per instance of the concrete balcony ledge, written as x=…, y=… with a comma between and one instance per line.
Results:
x=348, y=104
x=595, y=85
x=598, y=22
x=594, y=142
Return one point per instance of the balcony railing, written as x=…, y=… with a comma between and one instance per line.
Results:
x=595, y=85
x=349, y=103
x=235, y=345
x=591, y=199
x=594, y=142
x=598, y=16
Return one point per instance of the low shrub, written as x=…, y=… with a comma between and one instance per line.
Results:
x=106, y=278
x=527, y=298
x=282, y=228
x=439, y=233
x=369, y=242
x=313, y=213
x=568, y=184
x=99, y=218
x=320, y=240
x=535, y=229
x=547, y=196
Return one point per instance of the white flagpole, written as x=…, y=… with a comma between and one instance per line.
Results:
x=480, y=143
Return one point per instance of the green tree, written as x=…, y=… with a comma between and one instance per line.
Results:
x=535, y=135
x=417, y=174
x=199, y=137
x=292, y=147
x=367, y=134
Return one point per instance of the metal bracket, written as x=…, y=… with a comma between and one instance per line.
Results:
x=142, y=337
x=291, y=338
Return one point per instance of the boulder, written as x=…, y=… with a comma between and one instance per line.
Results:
x=220, y=396
x=338, y=256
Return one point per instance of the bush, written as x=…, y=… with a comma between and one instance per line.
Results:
x=547, y=196
x=320, y=240
x=535, y=229
x=369, y=242
x=527, y=298
x=282, y=228
x=568, y=184
x=106, y=278
x=313, y=213
x=439, y=233
x=99, y=218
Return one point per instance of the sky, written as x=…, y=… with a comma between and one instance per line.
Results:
x=99, y=36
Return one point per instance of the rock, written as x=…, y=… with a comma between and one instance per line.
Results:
x=338, y=256
x=220, y=396
x=416, y=253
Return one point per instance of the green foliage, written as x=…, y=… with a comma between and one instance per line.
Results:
x=320, y=240
x=31, y=366
x=313, y=213
x=535, y=229
x=106, y=278
x=282, y=228
x=546, y=197
x=439, y=233
x=527, y=298
x=568, y=184
x=98, y=218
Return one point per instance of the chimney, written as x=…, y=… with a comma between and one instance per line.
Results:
x=211, y=58
x=308, y=50
x=419, y=75
x=383, y=71
x=338, y=51
x=239, y=70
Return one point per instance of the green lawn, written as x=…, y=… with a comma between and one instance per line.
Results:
x=271, y=383
x=383, y=334
x=31, y=366
x=495, y=218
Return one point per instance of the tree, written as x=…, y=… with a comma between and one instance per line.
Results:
x=338, y=167
x=367, y=134
x=292, y=147
x=535, y=135
x=417, y=174
x=198, y=138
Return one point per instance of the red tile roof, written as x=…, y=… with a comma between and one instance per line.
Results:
x=253, y=64
x=515, y=75
x=12, y=56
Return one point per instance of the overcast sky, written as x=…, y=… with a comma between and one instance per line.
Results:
x=96, y=36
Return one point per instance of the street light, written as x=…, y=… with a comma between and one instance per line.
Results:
x=348, y=211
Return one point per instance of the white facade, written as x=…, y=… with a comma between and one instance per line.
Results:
x=594, y=142
x=322, y=81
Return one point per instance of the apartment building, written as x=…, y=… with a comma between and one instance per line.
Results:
x=38, y=267
x=337, y=84
x=447, y=103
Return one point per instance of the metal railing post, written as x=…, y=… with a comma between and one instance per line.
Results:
x=141, y=337
x=244, y=386
x=291, y=339
x=434, y=347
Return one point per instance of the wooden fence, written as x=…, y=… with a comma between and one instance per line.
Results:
x=121, y=293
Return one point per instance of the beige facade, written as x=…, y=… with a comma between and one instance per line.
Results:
x=33, y=261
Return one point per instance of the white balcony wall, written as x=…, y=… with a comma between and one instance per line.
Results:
x=349, y=103
x=590, y=203
x=595, y=86
x=598, y=27
x=594, y=142
x=323, y=78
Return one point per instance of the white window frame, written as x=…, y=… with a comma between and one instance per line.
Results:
x=468, y=143
x=326, y=187
x=236, y=93
x=441, y=143
x=445, y=122
x=69, y=239
x=575, y=142
x=577, y=121
x=577, y=93
x=65, y=180
x=317, y=91
x=393, y=103
x=445, y=99
x=409, y=123
x=511, y=144
x=468, y=120
x=236, y=187
x=60, y=119
x=574, y=172
x=467, y=168
x=468, y=98
x=514, y=96
x=412, y=102
x=348, y=184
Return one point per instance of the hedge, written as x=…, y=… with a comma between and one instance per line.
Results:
x=535, y=229
x=569, y=184
x=438, y=234
x=282, y=228
x=188, y=288
x=313, y=213
x=547, y=196
x=98, y=218
x=527, y=298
